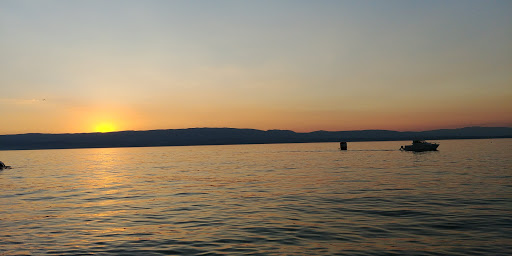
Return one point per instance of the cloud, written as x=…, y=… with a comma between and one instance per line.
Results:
x=7, y=101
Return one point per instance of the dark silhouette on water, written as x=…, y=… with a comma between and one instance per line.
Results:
x=225, y=136
x=420, y=146
x=3, y=166
x=343, y=145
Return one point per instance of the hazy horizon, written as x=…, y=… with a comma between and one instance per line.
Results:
x=247, y=128
x=100, y=66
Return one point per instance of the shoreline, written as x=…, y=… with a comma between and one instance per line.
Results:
x=255, y=143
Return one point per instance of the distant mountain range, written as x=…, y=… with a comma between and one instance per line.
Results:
x=224, y=136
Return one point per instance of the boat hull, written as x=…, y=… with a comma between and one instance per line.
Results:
x=421, y=148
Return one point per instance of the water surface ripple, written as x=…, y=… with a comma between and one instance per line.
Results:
x=282, y=199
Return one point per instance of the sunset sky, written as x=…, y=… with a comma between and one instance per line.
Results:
x=87, y=66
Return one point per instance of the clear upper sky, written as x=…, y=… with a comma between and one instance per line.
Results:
x=85, y=66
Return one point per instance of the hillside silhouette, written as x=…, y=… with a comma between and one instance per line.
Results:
x=225, y=136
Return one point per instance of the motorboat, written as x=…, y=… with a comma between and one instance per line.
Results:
x=420, y=146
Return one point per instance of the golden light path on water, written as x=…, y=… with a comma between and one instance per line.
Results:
x=259, y=199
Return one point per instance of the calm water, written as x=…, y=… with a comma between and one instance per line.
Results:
x=282, y=199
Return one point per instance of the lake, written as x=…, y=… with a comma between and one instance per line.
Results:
x=277, y=199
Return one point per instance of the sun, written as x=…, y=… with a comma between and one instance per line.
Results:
x=105, y=127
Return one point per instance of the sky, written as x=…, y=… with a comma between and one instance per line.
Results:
x=98, y=66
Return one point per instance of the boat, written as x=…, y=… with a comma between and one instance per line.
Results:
x=420, y=146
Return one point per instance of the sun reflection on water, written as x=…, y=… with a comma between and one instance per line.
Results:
x=261, y=199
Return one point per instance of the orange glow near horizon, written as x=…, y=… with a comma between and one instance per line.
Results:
x=105, y=127
x=102, y=117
